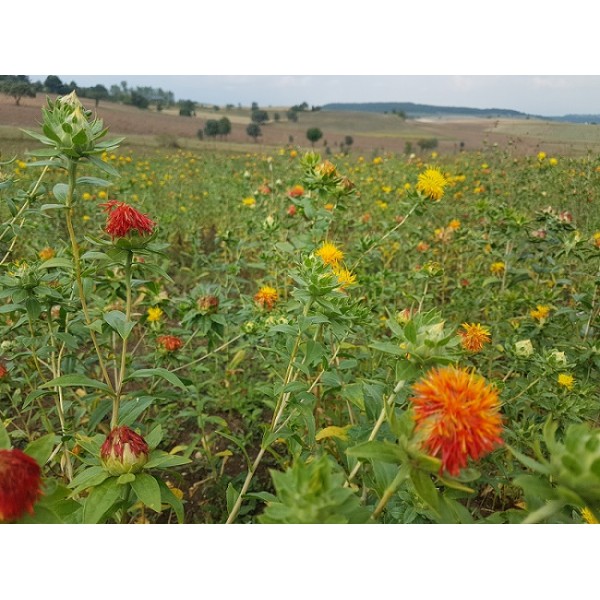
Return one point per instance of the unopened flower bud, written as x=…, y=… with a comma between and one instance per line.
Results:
x=124, y=451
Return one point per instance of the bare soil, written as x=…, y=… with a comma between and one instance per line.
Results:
x=371, y=133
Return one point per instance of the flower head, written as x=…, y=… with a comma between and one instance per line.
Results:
x=474, y=336
x=123, y=219
x=329, y=253
x=20, y=484
x=540, y=312
x=458, y=414
x=46, y=253
x=249, y=201
x=266, y=297
x=296, y=191
x=154, y=314
x=566, y=381
x=432, y=183
x=497, y=268
x=208, y=304
x=124, y=451
x=3, y=371
x=169, y=343
x=344, y=276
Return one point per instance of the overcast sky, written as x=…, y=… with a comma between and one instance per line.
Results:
x=514, y=55
x=547, y=95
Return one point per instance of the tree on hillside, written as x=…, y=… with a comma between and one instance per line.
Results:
x=139, y=100
x=314, y=134
x=97, y=93
x=17, y=86
x=211, y=128
x=292, y=115
x=259, y=116
x=54, y=85
x=224, y=127
x=187, y=108
x=254, y=130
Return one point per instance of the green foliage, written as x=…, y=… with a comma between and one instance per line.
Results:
x=259, y=116
x=313, y=134
x=313, y=492
x=254, y=130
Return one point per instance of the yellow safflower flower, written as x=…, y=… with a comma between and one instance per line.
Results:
x=432, y=183
x=566, y=381
x=154, y=314
x=329, y=253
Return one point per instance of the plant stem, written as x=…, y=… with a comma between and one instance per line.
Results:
x=72, y=170
x=388, y=493
x=117, y=398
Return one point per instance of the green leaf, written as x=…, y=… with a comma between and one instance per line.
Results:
x=425, y=488
x=100, y=501
x=60, y=191
x=57, y=263
x=154, y=438
x=388, y=348
x=162, y=460
x=118, y=321
x=4, y=438
x=88, y=478
x=34, y=308
x=41, y=449
x=103, y=166
x=168, y=497
x=75, y=380
x=383, y=451
x=158, y=372
x=147, y=490
x=125, y=478
x=93, y=181
x=231, y=496
x=532, y=464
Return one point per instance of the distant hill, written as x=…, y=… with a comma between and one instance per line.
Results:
x=577, y=119
x=412, y=110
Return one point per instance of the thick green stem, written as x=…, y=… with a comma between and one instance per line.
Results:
x=72, y=171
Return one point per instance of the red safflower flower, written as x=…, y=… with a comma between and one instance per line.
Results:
x=124, y=451
x=3, y=371
x=170, y=343
x=20, y=484
x=291, y=211
x=123, y=219
x=458, y=414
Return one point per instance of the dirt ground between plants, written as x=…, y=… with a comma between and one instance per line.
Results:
x=167, y=129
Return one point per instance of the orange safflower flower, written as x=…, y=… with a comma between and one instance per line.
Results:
x=169, y=343
x=474, y=336
x=458, y=415
x=296, y=191
x=20, y=484
x=266, y=297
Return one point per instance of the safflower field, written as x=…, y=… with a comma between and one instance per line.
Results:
x=281, y=337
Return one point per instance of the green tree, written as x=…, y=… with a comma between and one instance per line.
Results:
x=17, y=86
x=254, y=130
x=54, y=85
x=187, y=108
x=224, y=127
x=314, y=134
x=292, y=115
x=97, y=93
x=211, y=128
x=139, y=100
x=259, y=116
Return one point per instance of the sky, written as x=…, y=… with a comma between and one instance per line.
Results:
x=537, y=95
